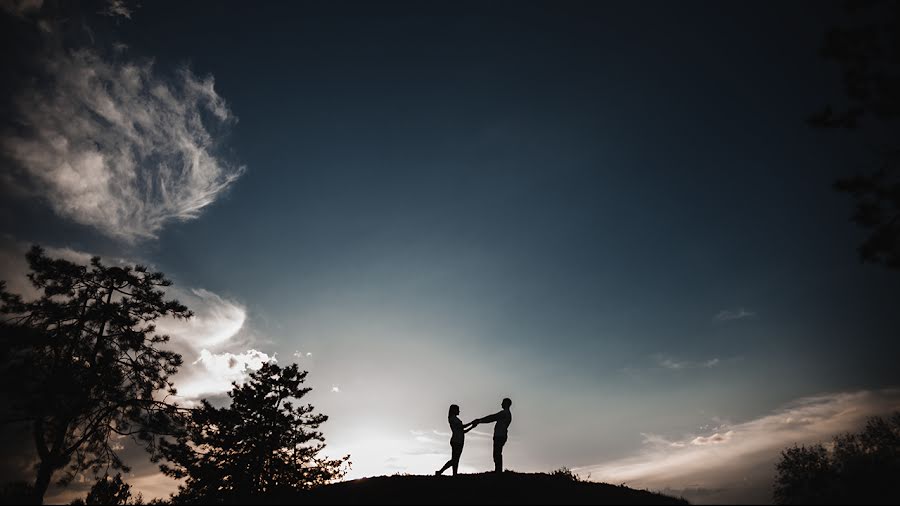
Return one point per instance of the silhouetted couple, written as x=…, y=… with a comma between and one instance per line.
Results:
x=501, y=421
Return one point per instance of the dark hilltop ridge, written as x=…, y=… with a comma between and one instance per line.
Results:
x=487, y=488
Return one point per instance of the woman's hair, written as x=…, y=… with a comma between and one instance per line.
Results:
x=454, y=410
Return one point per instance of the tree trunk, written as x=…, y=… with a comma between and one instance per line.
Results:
x=42, y=482
x=51, y=459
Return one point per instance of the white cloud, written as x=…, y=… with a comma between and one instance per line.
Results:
x=219, y=370
x=738, y=314
x=734, y=452
x=335, y=389
x=213, y=343
x=112, y=145
x=713, y=439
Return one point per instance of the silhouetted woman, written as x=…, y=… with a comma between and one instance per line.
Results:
x=456, y=440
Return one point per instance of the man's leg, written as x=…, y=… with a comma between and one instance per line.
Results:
x=498, y=455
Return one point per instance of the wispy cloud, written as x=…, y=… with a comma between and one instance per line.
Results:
x=735, y=314
x=729, y=454
x=425, y=437
x=118, y=8
x=215, y=321
x=667, y=362
x=113, y=145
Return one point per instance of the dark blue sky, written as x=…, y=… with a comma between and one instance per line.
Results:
x=563, y=202
x=588, y=167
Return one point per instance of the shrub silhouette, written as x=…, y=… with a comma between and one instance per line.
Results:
x=86, y=363
x=260, y=448
x=564, y=473
x=854, y=469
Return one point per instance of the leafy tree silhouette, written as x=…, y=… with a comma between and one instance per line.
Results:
x=867, y=49
x=855, y=469
x=111, y=491
x=82, y=363
x=259, y=448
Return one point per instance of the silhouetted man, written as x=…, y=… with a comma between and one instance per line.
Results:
x=501, y=431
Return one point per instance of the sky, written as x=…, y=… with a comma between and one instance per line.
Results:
x=613, y=213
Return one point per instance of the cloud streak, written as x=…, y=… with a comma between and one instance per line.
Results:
x=112, y=145
x=673, y=364
x=737, y=314
x=733, y=452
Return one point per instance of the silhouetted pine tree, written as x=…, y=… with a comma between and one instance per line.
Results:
x=82, y=363
x=261, y=447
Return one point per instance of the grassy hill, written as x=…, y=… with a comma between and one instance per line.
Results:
x=510, y=488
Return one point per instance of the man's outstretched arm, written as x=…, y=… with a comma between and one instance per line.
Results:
x=489, y=418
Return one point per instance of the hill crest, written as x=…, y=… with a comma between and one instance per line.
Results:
x=486, y=488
